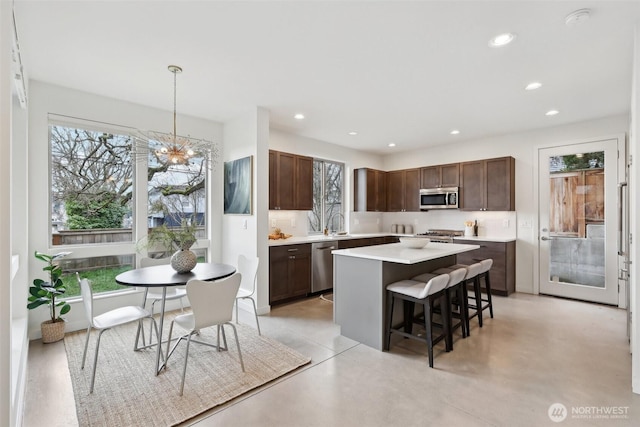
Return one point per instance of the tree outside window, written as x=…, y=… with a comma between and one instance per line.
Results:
x=328, y=194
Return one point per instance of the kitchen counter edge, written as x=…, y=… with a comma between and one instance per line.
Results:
x=300, y=240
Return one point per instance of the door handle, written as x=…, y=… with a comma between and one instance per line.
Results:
x=546, y=238
x=324, y=249
x=621, y=249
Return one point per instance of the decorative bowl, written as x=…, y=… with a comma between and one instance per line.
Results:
x=414, y=242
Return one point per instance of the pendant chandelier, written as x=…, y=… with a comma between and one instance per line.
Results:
x=170, y=149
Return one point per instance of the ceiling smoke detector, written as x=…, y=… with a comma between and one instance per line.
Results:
x=577, y=17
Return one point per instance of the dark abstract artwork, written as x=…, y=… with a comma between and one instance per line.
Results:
x=237, y=186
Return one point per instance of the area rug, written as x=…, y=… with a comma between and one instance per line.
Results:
x=127, y=393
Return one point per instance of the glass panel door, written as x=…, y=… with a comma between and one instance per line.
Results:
x=578, y=257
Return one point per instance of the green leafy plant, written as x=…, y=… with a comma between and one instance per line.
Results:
x=41, y=292
x=182, y=237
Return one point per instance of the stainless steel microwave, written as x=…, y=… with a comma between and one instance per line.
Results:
x=439, y=198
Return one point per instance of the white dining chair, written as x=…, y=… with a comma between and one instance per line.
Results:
x=211, y=305
x=248, y=268
x=105, y=321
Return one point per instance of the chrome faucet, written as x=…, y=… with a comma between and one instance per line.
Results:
x=329, y=221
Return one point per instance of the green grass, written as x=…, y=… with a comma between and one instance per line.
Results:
x=103, y=280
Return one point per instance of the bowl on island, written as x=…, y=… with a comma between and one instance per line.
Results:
x=414, y=242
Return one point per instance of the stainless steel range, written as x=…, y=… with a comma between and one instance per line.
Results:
x=442, y=236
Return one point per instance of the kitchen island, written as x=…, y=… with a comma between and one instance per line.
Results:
x=361, y=275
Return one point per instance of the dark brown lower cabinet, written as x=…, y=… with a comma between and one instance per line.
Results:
x=289, y=272
x=503, y=270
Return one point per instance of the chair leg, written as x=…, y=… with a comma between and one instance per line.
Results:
x=390, y=301
x=235, y=333
x=138, y=333
x=95, y=361
x=465, y=302
x=86, y=344
x=409, y=309
x=184, y=370
x=429, y=335
x=153, y=305
x=478, y=294
x=447, y=319
x=255, y=312
x=487, y=284
x=237, y=321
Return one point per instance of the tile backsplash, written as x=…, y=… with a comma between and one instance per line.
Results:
x=493, y=224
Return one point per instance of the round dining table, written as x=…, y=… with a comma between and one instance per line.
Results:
x=164, y=276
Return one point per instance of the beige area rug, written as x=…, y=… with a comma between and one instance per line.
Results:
x=127, y=393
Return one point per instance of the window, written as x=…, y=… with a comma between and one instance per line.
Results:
x=328, y=203
x=91, y=186
x=92, y=192
x=176, y=193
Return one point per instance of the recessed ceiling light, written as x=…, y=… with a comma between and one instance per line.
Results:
x=577, y=17
x=392, y=144
x=455, y=132
x=353, y=133
x=551, y=112
x=579, y=155
x=502, y=39
x=533, y=86
x=299, y=116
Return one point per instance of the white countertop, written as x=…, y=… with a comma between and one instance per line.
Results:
x=322, y=238
x=296, y=240
x=486, y=239
x=396, y=252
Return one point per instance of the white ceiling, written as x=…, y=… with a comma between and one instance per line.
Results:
x=404, y=72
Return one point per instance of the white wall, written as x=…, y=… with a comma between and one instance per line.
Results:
x=522, y=147
x=634, y=219
x=246, y=234
x=46, y=98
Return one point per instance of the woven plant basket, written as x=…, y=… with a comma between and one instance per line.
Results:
x=52, y=331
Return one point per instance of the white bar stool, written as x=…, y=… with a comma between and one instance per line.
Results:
x=412, y=292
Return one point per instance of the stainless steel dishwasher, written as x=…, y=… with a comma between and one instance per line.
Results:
x=322, y=265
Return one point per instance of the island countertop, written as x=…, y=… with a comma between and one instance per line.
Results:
x=397, y=253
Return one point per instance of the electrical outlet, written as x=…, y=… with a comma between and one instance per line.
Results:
x=505, y=223
x=273, y=223
x=244, y=224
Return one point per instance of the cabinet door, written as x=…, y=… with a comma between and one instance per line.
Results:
x=502, y=274
x=273, y=182
x=381, y=191
x=430, y=177
x=285, y=181
x=304, y=183
x=500, y=177
x=450, y=175
x=395, y=191
x=472, y=186
x=278, y=273
x=300, y=274
x=411, y=190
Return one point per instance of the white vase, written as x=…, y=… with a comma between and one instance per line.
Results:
x=184, y=260
x=468, y=230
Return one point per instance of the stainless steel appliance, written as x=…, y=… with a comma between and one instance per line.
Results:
x=442, y=236
x=439, y=198
x=322, y=265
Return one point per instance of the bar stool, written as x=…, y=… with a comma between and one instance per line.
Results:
x=454, y=287
x=412, y=292
x=471, y=277
x=480, y=305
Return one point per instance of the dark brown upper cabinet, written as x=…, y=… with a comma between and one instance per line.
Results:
x=488, y=185
x=290, y=181
x=370, y=190
x=402, y=190
x=440, y=176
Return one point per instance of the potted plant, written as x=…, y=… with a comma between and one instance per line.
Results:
x=41, y=293
x=179, y=240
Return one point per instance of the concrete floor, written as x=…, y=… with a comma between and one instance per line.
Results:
x=536, y=352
